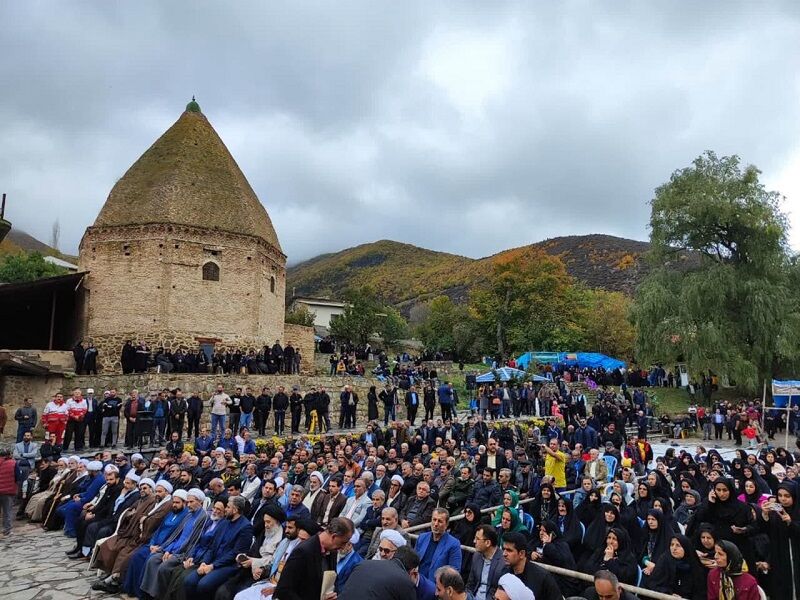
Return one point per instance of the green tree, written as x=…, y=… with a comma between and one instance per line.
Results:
x=391, y=326
x=527, y=303
x=17, y=268
x=448, y=327
x=721, y=294
x=300, y=315
x=365, y=316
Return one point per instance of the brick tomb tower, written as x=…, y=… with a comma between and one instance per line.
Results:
x=183, y=252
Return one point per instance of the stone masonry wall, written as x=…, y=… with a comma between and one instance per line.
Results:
x=301, y=338
x=149, y=280
x=14, y=388
x=110, y=346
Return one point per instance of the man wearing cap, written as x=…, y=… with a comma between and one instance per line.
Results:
x=167, y=533
x=389, y=541
x=98, y=508
x=71, y=510
x=316, y=495
x=260, y=556
x=101, y=528
x=114, y=554
x=510, y=587
x=173, y=553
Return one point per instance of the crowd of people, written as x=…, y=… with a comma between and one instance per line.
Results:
x=384, y=513
x=139, y=358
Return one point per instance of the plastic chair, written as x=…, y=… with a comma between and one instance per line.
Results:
x=527, y=520
x=639, y=577
x=762, y=593
x=583, y=531
x=641, y=521
x=611, y=463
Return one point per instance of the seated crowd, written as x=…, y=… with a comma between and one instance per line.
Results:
x=388, y=511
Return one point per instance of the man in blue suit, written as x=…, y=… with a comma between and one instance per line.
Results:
x=218, y=563
x=438, y=548
x=347, y=560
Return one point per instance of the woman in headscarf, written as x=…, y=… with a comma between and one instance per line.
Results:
x=607, y=518
x=615, y=555
x=569, y=526
x=725, y=513
x=750, y=473
x=751, y=494
x=372, y=404
x=644, y=500
x=510, y=521
x=655, y=541
x=544, y=505
x=553, y=550
x=679, y=571
x=621, y=488
x=781, y=522
x=464, y=530
x=729, y=580
x=704, y=543
x=510, y=500
x=665, y=506
x=589, y=508
x=659, y=485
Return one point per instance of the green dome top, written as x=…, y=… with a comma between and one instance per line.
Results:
x=193, y=106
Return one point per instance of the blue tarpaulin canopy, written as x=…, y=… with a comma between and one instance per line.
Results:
x=505, y=374
x=785, y=393
x=581, y=359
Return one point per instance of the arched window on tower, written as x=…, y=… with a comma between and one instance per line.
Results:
x=210, y=271
x=272, y=284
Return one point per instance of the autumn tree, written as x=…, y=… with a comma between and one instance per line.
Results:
x=606, y=325
x=448, y=327
x=722, y=293
x=528, y=302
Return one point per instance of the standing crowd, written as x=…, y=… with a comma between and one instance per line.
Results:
x=388, y=512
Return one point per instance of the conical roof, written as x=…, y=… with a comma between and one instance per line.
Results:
x=188, y=177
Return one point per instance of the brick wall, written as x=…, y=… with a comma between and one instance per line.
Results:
x=301, y=338
x=148, y=280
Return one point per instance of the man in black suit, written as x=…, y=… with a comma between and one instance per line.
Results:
x=493, y=458
x=412, y=404
x=302, y=575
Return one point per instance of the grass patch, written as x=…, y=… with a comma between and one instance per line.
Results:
x=676, y=400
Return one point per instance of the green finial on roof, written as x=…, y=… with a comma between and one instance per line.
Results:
x=193, y=106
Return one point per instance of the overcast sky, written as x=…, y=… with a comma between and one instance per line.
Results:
x=458, y=126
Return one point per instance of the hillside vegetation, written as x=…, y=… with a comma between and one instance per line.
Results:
x=404, y=275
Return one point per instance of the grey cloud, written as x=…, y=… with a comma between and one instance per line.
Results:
x=466, y=127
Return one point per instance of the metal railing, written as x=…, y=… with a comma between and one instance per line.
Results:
x=579, y=575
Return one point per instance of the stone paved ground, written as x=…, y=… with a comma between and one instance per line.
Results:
x=33, y=566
